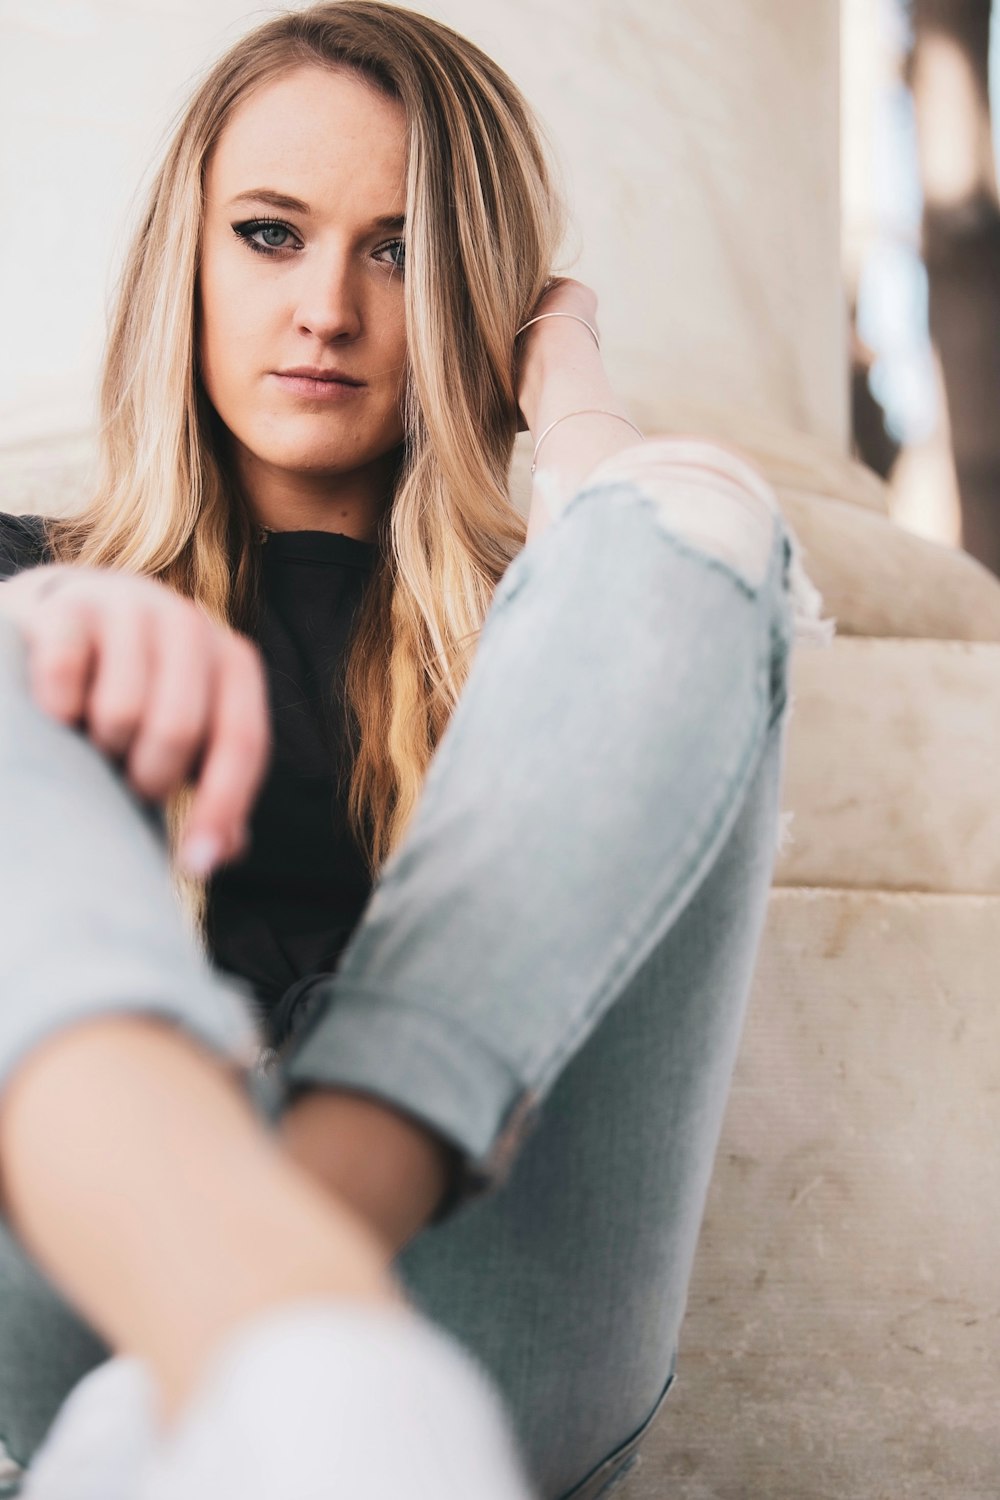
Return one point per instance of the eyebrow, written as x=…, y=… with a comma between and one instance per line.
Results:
x=296, y=206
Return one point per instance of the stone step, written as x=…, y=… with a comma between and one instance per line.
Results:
x=891, y=775
x=879, y=580
x=843, y=1329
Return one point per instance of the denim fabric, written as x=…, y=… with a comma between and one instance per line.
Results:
x=553, y=968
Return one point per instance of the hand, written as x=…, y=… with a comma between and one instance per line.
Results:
x=562, y=295
x=155, y=681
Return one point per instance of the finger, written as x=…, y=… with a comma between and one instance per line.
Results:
x=116, y=702
x=239, y=748
x=62, y=645
x=177, y=718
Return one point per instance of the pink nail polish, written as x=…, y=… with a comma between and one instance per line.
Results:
x=200, y=854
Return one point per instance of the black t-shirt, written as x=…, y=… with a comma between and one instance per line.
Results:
x=284, y=912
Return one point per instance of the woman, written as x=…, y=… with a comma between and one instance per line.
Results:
x=299, y=613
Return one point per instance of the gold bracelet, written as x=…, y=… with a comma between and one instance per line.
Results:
x=584, y=411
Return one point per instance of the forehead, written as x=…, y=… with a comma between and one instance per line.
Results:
x=316, y=134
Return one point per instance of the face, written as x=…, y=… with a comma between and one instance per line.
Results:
x=314, y=284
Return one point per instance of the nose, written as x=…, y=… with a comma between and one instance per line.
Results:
x=328, y=304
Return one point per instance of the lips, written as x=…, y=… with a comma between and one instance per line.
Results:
x=314, y=372
x=322, y=388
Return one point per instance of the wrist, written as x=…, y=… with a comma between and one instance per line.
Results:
x=559, y=361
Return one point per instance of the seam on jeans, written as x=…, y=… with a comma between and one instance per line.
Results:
x=703, y=839
x=626, y=1449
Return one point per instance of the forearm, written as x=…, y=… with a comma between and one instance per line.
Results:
x=565, y=373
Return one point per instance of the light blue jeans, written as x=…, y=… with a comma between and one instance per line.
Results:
x=552, y=970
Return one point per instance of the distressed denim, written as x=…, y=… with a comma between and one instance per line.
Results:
x=552, y=970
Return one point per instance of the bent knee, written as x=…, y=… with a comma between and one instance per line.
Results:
x=704, y=495
x=12, y=644
x=712, y=499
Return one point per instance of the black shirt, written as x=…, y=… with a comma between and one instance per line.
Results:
x=284, y=912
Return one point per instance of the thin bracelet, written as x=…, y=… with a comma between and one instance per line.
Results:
x=584, y=411
x=560, y=315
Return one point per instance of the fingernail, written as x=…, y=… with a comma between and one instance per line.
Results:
x=200, y=853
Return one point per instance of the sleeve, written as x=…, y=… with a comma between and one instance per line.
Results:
x=22, y=543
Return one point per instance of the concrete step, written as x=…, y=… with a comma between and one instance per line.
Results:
x=879, y=580
x=893, y=760
x=842, y=1340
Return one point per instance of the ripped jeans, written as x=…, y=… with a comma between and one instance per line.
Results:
x=552, y=970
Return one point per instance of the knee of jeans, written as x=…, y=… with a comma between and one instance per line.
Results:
x=713, y=500
x=12, y=648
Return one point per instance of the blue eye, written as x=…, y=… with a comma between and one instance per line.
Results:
x=399, y=260
x=249, y=230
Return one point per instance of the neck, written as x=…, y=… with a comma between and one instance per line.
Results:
x=350, y=504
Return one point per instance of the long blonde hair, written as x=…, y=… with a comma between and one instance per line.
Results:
x=484, y=223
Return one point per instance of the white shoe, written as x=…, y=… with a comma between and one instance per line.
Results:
x=332, y=1400
x=102, y=1437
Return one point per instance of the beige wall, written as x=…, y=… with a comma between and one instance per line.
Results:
x=699, y=142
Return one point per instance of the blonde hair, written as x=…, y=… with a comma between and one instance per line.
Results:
x=484, y=222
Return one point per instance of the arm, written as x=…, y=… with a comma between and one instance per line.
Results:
x=562, y=371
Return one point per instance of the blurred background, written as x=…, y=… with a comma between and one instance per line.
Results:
x=88, y=88
x=921, y=242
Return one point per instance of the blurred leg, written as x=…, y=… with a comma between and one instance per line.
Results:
x=88, y=922
x=136, y=1181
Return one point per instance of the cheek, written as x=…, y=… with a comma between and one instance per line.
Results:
x=392, y=361
x=231, y=315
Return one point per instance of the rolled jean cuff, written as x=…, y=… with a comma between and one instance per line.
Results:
x=426, y=1065
x=208, y=1013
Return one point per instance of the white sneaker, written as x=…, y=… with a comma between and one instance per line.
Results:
x=102, y=1437
x=326, y=1400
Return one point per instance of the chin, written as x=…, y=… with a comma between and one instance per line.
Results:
x=300, y=458
x=313, y=453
